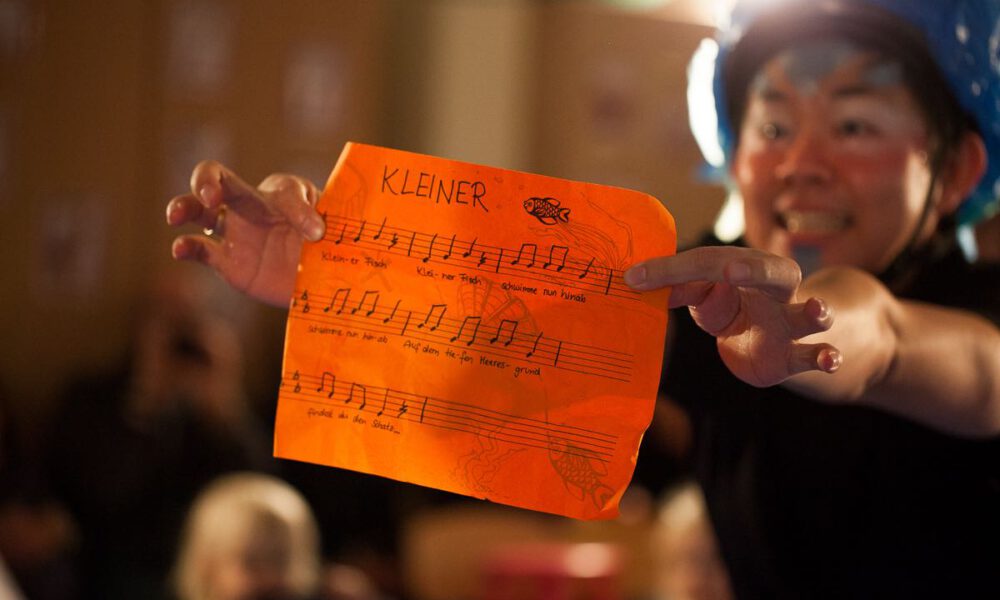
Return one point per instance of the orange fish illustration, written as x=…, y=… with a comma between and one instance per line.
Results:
x=546, y=210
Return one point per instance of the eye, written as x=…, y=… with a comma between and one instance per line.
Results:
x=773, y=131
x=855, y=127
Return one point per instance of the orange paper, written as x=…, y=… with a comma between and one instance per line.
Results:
x=467, y=328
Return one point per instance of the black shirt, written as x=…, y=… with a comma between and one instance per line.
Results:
x=812, y=500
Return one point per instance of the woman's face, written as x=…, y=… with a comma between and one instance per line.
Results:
x=832, y=161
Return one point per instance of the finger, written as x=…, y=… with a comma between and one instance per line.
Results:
x=186, y=209
x=813, y=357
x=295, y=199
x=199, y=249
x=775, y=275
x=715, y=312
x=689, y=294
x=206, y=183
x=214, y=185
x=809, y=317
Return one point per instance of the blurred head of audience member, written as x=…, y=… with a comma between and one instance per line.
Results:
x=685, y=550
x=187, y=352
x=249, y=537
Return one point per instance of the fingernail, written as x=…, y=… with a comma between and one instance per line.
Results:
x=206, y=193
x=177, y=249
x=833, y=361
x=739, y=271
x=315, y=229
x=636, y=275
x=824, y=310
x=171, y=209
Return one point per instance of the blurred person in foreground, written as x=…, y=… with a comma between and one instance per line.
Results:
x=131, y=448
x=840, y=365
x=248, y=536
x=251, y=536
x=684, y=549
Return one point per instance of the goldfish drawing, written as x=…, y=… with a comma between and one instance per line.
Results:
x=580, y=475
x=546, y=210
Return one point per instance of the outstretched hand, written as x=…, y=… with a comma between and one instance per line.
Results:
x=747, y=299
x=252, y=236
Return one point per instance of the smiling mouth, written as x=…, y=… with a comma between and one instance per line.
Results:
x=813, y=222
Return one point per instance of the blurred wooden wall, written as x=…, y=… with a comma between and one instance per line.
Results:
x=106, y=106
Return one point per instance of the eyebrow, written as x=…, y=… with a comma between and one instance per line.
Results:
x=768, y=93
x=848, y=91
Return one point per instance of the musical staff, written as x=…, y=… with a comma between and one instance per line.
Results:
x=586, y=274
x=500, y=340
x=455, y=416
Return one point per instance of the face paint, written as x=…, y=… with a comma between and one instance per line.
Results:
x=807, y=65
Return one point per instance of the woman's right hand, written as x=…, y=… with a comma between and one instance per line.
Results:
x=252, y=237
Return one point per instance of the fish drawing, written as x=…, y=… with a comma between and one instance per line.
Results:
x=546, y=210
x=579, y=474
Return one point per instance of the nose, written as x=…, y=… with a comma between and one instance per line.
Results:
x=806, y=158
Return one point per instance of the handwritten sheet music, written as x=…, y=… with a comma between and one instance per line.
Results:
x=467, y=328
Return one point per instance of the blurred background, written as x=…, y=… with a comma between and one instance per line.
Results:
x=106, y=106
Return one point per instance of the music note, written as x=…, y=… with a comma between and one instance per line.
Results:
x=412, y=239
x=500, y=331
x=379, y=233
x=534, y=347
x=364, y=395
x=587, y=270
x=384, y=400
x=430, y=313
x=322, y=383
x=468, y=252
x=362, y=303
x=357, y=238
x=520, y=254
x=341, y=238
x=474, y=331
x=451, y=246
x=393, y=313
x=346, y=292
x=430, y=248
x=564, y=250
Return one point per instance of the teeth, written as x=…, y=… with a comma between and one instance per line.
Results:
x=814, y=222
